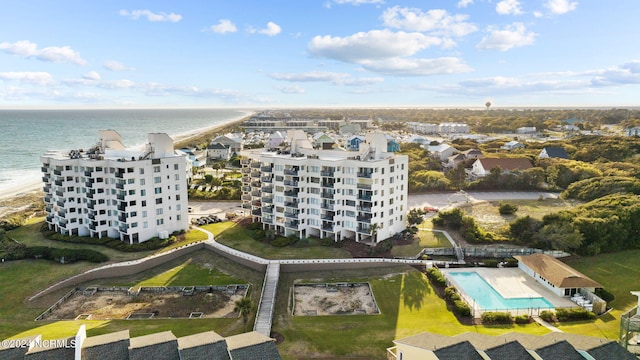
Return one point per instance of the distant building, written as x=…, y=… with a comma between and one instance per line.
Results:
x=351, y=128
x=117, y=192
x=482, y=167
x=554, y=152
x=233, y=141
x=526, y=130
x=513, y=345
x=441, y=151
x=301, y=191
x=422, y=128
x=323, y=141
x=353, y=142
x=218, y=151
x=453, y=128
x=634, y=131
x=512, y=145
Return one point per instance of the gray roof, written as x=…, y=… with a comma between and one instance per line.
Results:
x=53, y=351
x=561, y=350
x=108, y=346
x=252, y=346
x=206, y=345
x=463, y=350
x=611, y=350
x=556, y=152
x=510, y=350
x=159, y=346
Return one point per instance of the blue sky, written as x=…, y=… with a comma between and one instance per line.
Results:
x=326, y=53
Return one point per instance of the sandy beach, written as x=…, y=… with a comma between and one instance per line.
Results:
x=18, y=196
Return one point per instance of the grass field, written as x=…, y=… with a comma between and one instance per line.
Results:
x=424, y=239
x=487, y=215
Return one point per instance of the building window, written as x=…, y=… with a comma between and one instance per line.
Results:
x=159, y=221
x=143, y=203
x=179, y=217
x=132, y=192
x=145, y=225
x=157, y=180
x=159, y=211
x=177, y=186
x=144, y=213
x=142, y=182
x=156, y=169
x=141, y=171
x=177, y=176
x=143, y=192
x=158, y=201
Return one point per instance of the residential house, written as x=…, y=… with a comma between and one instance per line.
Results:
x=233, y=141
x=554, y=152
x=417, y=139
x=454, y=160
x=393, y=146
x=422, y=128
x=351, y=128
x=512, y=145
x=323, y=141
x=218, y=151
x=513, y=345
x=482, y=167
x=276, y=139
x=353, y=142
x=634, y=131
x=441, y=151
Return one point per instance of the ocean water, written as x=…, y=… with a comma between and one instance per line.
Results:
x=25, y=135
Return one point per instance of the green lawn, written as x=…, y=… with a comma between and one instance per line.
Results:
x=199, y=268
x=424, y=239
x=242, y=239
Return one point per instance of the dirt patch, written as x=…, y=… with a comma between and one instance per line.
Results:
x=104, y=305
x=334, y=299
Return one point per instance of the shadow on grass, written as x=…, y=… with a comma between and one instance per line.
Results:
x=607, y=317
x=413, y=292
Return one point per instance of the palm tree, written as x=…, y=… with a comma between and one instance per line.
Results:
x=244, y=306
x=373, y=230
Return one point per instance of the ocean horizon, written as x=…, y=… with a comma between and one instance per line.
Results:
x=29, y=134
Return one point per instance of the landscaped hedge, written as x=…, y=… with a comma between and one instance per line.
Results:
x=64, y=255
x=459, y=306
x=494, y=317
x=436, y=277
x=605, y=295
x=574, y=314
x=547, y=315
x=522, y=319
x=151, y=244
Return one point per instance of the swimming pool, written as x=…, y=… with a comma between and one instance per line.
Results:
x=487, y=298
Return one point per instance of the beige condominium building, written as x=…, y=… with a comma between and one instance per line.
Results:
x=113, y=191
x=302, y=191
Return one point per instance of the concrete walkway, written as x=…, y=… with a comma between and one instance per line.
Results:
x=546, y=324
x=264, y=317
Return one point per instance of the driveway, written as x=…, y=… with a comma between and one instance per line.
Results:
x=451, y=199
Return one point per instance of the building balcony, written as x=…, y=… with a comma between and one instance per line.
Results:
x=91, y=205
x=267, y=189
x=120, y=197
x=267, y=219
x=58, y=182
x=48, y=209
x=267, y=199
x=366, y=175
x=364, y=230
x=290, y=183
x=62, y=223
x=62, y=213
x=328, y=185
x=293, y=215
x=291, y=193
x=246, y=170
x=266, y=179
x=256, y=184
x=255, y=165
x=291, y=171
x=60, y=203
x=256, y=193
x=328, y=227
x=122, y=217
x=364, y=208
x=49, y=219
x=120, y=186
x=364, y=197
x=293, y=204
x=245, y=161
x=87, y=173
x=44, y=169
x=364, y=218
x=91, y=216
x=120, y=175
x=267, y=210
x=246, y=188
x=256, y=174
x=59, y=192
x=46, y=178
x=327, y=217
x=247, y=197
x=327, y=206
x=256, y=203
x=57, y=172
x=327, y=173
x=256, y=212
x=266, y=169
x=364, y=186
x=327, y=195
x=122, y=207
x=47, y=199
x=292, y=224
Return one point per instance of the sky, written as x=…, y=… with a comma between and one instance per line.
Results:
x=325, y=53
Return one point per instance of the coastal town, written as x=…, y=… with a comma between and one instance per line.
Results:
x=310, y=219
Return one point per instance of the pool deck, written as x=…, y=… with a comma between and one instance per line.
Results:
x=514, y=283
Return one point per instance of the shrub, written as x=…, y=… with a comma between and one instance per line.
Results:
x=64, y=255
x=493, y=263
x=510, y=262
x=547, y=315
x=151, y=244
x=574, y=314
x=605, y=295
x=436, y=277
x=493, y=317
x=281, y=241
x=507, y=209
x=230, y=215
x=461, y=308
x=522, y=319
x=450, y=293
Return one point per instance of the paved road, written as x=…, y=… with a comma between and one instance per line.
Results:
x=443, y=200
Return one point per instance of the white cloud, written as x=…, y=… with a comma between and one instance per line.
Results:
x=560, y=7
x=113, y=65
x=417, y=67
x=38, y=78
x=510, y=36
x=625, y=74
x=91, y=75
x=464, y=3
x=436, y=20
x=375, y=44
x=272, y=29
x=509, y=7
x=335, y=78
x=358, y=2
x=224, y=26
x=56, y=54
x=538, y=14
x=290, y=89
x=151, y=16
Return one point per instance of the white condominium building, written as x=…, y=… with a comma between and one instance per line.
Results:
x=117, y=192
x=301, y=191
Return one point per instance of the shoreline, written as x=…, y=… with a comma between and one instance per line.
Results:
x=33, y=185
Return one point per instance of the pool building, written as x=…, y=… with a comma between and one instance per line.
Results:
x=540, y=282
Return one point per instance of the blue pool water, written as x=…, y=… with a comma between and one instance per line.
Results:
x=487, y=298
